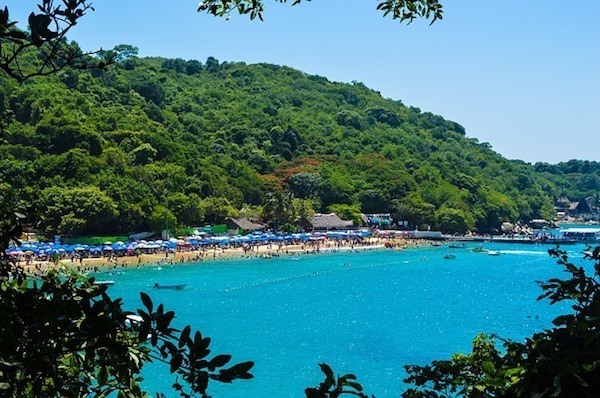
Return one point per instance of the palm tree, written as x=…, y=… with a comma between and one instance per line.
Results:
x=303, y=211
x=278, y=207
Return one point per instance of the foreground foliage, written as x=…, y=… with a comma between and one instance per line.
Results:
x=64, y=336
x=402, y=10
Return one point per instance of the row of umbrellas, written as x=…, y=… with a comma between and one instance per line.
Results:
x=50, y=248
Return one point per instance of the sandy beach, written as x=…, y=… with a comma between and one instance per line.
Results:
x=222, y=254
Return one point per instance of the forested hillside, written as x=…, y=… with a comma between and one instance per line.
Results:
x=154, y=142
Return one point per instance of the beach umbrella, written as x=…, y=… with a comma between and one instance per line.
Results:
x=107, y=248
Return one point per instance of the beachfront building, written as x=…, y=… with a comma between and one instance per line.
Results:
x=380, y=220
x=242, y=226
x=328, y=222
x=562, y=204
x=584, y=210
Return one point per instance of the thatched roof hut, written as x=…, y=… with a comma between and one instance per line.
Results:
x=243, y=225
x=327, y=222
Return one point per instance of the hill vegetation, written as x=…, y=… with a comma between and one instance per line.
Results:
x=166, y=142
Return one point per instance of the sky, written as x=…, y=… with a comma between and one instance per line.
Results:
x=522, y=75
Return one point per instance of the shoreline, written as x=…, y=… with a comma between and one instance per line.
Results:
x=100, y=264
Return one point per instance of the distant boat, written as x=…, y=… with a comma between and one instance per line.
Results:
x=493, y=253
x=170, y=287
x=457, y=246
x=479, y=249
x=581, y=235
x=132, y=318
x=449, y=256
x=100, y=283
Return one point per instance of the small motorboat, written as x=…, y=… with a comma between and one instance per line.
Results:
x=133, y=319
x=107, y=283
x=493, y=253
x=457, y=246
x=170, y=287
x=479, y=249
x=449, y=256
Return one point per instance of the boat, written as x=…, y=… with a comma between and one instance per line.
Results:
x=133, y=319
x=555, y=240
x=170, y=287
x=479, y=249
x=457, y=245
x=581, y=235
x=493, y=253
x=449, y=256
x=101, y=283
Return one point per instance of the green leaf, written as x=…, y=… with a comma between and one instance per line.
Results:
x=218, y=361
x=102, y=375
x=488, y=367
x=147, y=302
x=327, y=370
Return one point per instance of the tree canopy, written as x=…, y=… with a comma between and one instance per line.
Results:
x=402, y=10
x=158, y=132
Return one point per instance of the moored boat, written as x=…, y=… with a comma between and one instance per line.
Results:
x=107, y=283
x=170, y=287
x=581, y=235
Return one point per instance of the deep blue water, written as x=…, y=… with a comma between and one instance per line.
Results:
x=366, y=313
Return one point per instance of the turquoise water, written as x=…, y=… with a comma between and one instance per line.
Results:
x=366, y=313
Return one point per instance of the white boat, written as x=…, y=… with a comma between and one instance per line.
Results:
x=108, y=283
x=584, y=235
x=493, y=253
x=132, y=318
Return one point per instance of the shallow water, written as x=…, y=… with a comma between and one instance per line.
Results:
x=366, y=313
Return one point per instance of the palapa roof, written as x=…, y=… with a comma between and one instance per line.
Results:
x=329, y=221
x=245, y=224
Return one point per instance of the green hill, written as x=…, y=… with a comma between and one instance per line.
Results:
x=154, y=141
